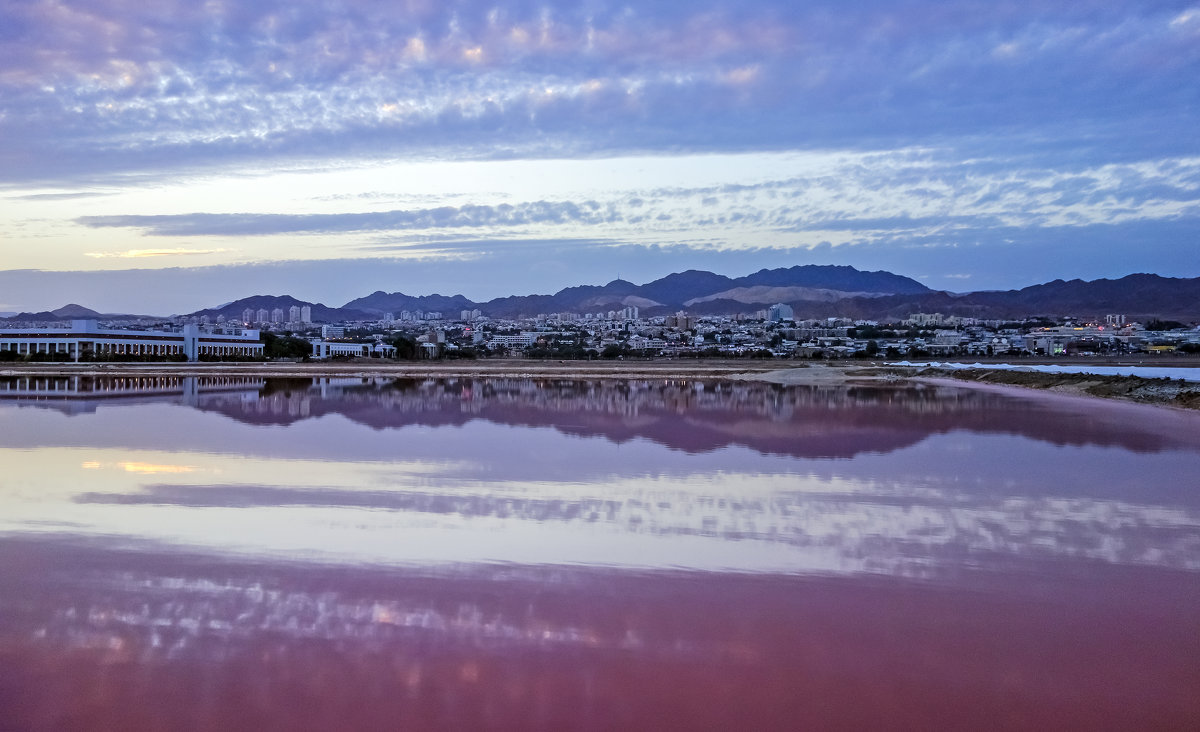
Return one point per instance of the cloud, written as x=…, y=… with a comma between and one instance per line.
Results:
x=997, y=258
x=107, y=86
x=57, y=196
x=444, y=217
x=859, y=196
x=143, y=253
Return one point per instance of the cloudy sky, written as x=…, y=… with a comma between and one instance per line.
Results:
x=170, y=155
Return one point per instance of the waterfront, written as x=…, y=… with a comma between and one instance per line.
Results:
x=546, y=554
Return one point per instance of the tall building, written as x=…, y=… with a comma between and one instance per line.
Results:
x=247, y=316
x=277, y=315
x=262, y=316
x=294, y=314
x=780, y=311
x=306, y=314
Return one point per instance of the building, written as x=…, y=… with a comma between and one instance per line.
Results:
x=305, y=314
x=247, y=316
x=511, y=340
x=333, y=331
x=326, y=349
x=85, y=339
x=262, y=316
x=294, y=314
x=277, y=315
x=925, y=319
x=780, y=311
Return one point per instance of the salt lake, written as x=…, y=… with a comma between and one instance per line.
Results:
x=360, y=553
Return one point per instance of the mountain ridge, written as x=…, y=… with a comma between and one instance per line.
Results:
x=813, y=291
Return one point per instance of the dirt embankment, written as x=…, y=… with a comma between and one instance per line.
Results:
x=1164, y=392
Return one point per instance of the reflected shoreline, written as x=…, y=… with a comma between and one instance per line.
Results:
x=832, y=421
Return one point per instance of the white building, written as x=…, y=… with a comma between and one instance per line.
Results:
x=508, y=341
x=306, y=314
x=86, y=339
x=294, y=314
x=326, y=349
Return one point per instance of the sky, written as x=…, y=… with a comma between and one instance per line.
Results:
x=162, y=157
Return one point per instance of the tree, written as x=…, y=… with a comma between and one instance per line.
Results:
x=275, y=346
x=1157, y=324
x=406, y=348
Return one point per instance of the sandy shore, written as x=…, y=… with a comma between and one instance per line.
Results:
x=1159, y=392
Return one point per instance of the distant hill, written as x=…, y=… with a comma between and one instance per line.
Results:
x=71, y=312
x=380, y=302
x=75, y=311
x=813, y=291
x=1137, y=296
x=684, y=286
x=816, y=291
x=320, y=313
x=684, y=289
x=830, y=277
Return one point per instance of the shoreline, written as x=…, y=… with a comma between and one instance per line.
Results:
x=1134, y=389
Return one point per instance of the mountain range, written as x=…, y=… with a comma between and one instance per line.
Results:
x=816, y=291
x=813, y=291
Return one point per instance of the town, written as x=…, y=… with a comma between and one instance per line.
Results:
x=772, y=333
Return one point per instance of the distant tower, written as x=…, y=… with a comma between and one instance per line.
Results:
x=306, y=314
x=277, y=315
x=294, y=314
x=247, y=316
x=262, y=316
x=780, y=311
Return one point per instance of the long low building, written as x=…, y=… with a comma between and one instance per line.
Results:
x=85, y=340
x=330, y=349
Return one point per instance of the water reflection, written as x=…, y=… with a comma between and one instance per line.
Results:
x=693, y=416
x=556, y=554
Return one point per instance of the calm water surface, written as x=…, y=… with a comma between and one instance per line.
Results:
x=242, y=554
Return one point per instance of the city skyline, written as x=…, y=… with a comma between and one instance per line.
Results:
x=170, y=157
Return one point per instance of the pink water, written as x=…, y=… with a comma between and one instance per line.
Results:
x=645, y=555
